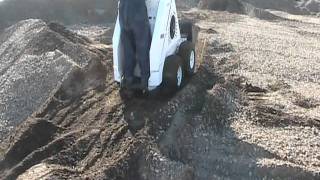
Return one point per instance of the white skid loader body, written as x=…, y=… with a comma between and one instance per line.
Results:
x=166, y=39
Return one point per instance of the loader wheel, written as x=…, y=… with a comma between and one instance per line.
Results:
x=186, y=29
x=188, y=54
x=173, y=74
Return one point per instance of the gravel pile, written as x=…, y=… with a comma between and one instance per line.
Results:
x=35, y=58
x=67, y=12
x=101, y=33
x=237, y=6
x=290, y=6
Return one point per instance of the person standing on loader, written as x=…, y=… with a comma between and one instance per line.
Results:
x=136, y=41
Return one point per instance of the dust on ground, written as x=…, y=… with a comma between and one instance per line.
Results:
x=250, y=112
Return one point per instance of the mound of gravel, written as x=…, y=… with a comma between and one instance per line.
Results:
x=290, y=6
x=234, y=6
x=35, y=60
x=81, y=128
x=310, y=5
x=181, y=4
x=99, y=33
x=63, y=11
x=237, y=6
x=258, y=7
x=253, y=11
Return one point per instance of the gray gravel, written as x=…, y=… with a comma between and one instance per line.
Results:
x=291, y=6
x=274, y=133
x=101, y=33
x=277, y=57
x=34, y=60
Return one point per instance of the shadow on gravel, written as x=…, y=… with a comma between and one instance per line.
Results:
x=204, y=140
x=201, y=137
x=271, y=117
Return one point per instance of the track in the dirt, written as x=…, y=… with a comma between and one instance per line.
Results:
x=96, y=134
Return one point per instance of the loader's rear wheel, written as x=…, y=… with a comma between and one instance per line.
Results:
x=186, y=30
x=188, y=54
x=173, y=74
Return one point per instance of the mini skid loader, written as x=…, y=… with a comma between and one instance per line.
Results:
x=172, y=52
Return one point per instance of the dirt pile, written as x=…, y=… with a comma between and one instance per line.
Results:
x=290, y=6
x=97, y=134
x=236, y=6
x=36, y=59
x=310, y=5
x=62, y=11
x=222, y=5
x=99, y=33
x=84, y=129
x=186, y=4
x=259, y=6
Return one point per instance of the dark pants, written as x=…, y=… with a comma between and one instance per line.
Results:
x=135, y=37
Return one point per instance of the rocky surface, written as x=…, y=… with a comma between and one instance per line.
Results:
x=278, y=66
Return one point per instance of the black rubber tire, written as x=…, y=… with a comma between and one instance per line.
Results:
x=186, y=29
x=170, y=70
x=185, y=51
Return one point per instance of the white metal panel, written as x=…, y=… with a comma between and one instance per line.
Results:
x=173, y=44
x=159, y=36
x=152, y=6
x=116, y=51
x=162, y=45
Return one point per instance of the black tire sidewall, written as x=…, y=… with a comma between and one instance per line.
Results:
x=187, y=28
x=185, y=53
x=170, y=71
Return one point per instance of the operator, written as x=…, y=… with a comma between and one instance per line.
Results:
x=136, y=40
